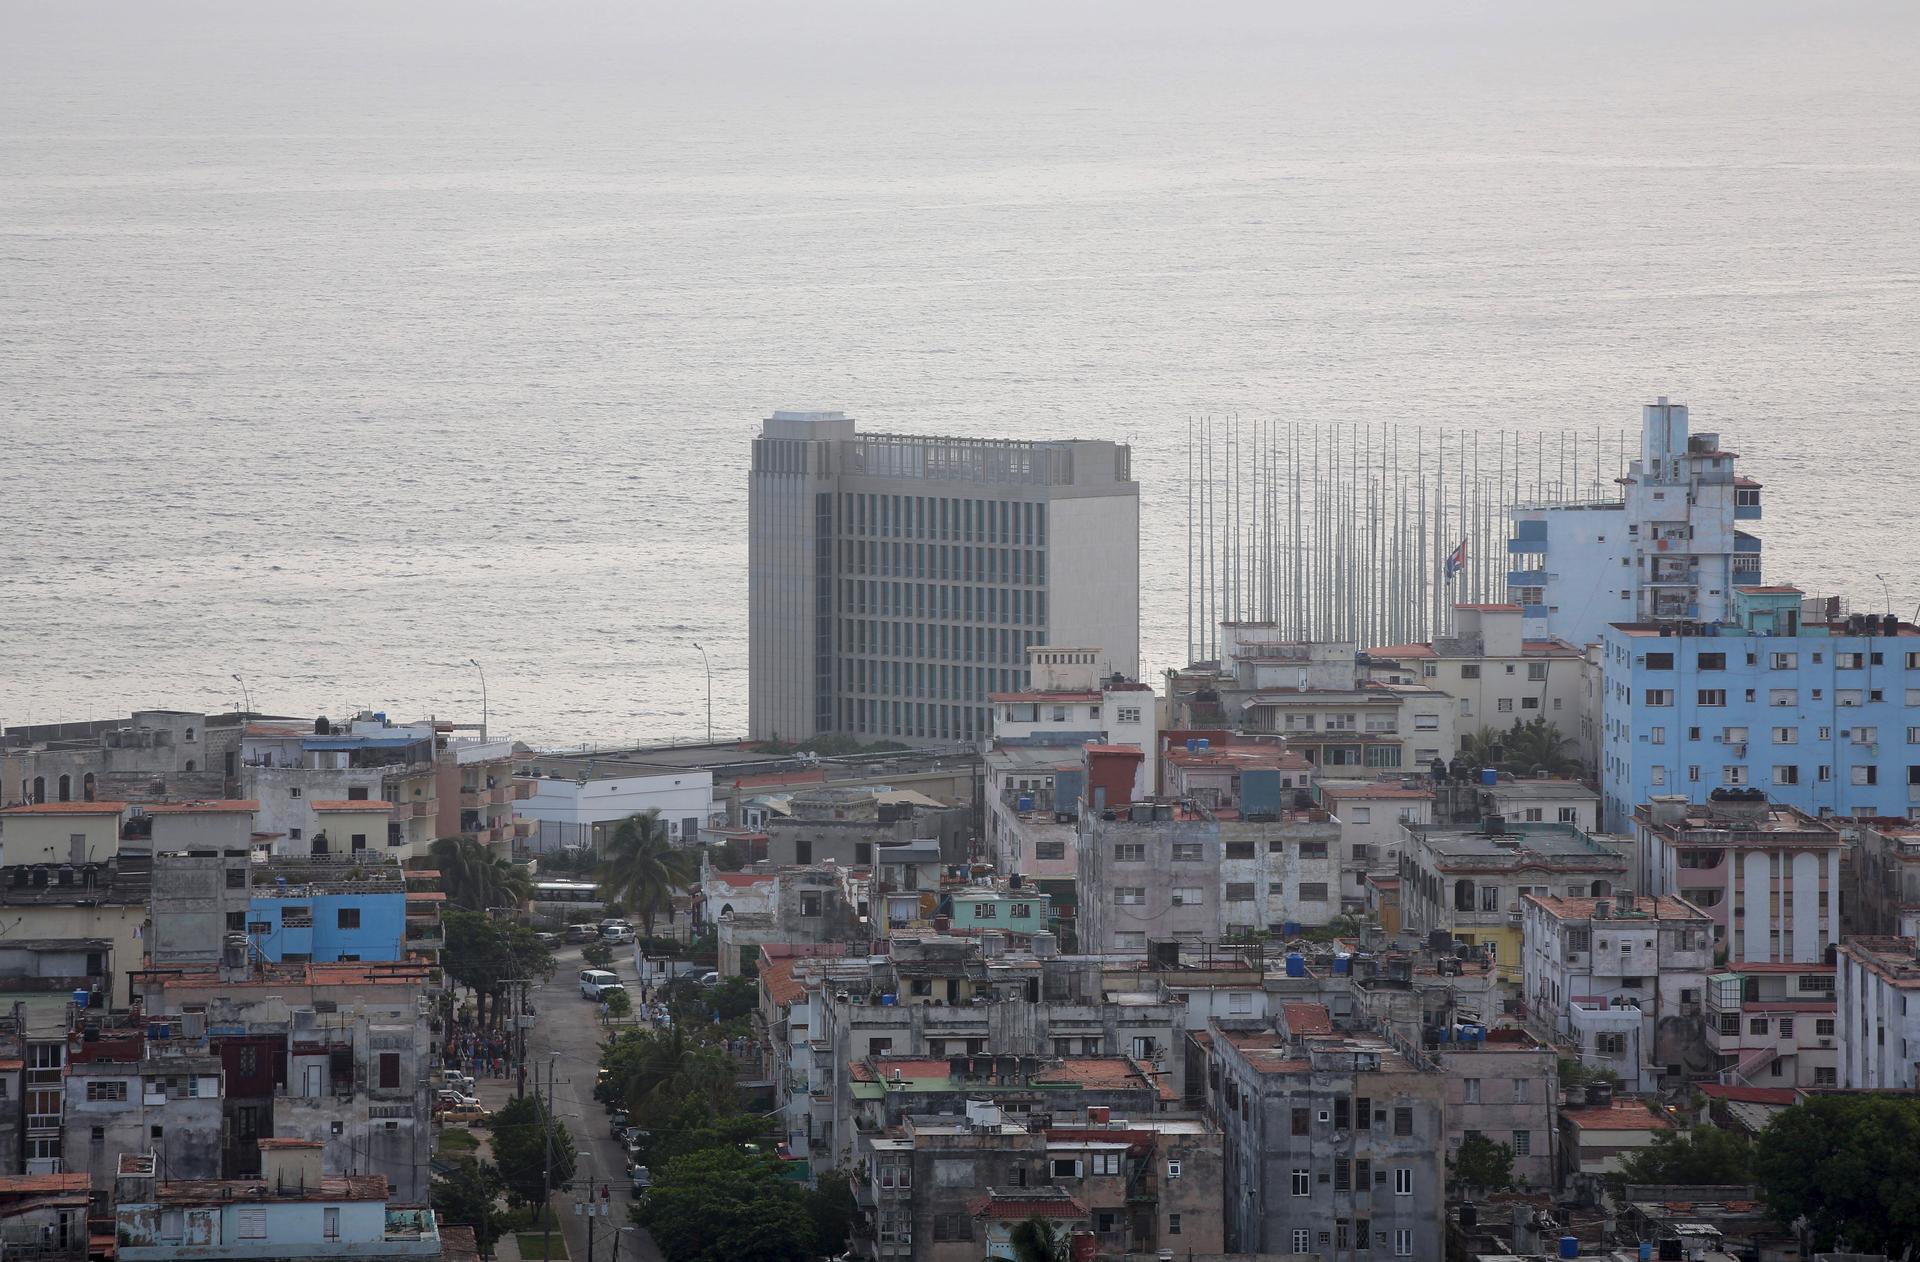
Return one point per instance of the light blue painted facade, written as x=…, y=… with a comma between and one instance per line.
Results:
x=372, y=929
x=1667, y=550
x=1822, y=717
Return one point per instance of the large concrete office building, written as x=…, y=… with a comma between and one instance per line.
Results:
x=897, y=580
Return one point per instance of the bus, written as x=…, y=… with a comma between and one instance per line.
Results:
x=562, y=902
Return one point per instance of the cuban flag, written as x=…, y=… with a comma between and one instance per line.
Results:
x=1456, y=560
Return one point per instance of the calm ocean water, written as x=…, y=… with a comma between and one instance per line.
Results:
x=341, y=344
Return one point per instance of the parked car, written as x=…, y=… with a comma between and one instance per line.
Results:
x=594, y=982
x=452, y=1099
x=619, y=935
x=576, y=934
x=459, y=1081
x=611, y=921
x=642, y=1179
x=617, y=1124
x=709, y=979
x=547, y=940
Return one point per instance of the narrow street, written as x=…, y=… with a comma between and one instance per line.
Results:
x=566, y=1035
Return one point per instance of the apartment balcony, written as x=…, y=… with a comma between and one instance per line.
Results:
x=523, y=787
x=422, y=809
x=502, y=794
x=1475, y=919
x=425, y=937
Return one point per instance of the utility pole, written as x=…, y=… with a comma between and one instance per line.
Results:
x=519, y=1036
x=546, y=1202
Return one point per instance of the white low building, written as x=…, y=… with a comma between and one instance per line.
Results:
x=1624, y=977
x=564, y=811
x=1372, y=819
x=1877, y=992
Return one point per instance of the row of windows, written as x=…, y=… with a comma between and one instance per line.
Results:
x=1843, y=698
x=1737, y=774
x=942, y=600
x=1022, y=523
x=1237, y=892
x=944, y=562
x=873, y=717
x=1782, y=660
x=920, y=679
x=875, y=637
x=1401, y=1240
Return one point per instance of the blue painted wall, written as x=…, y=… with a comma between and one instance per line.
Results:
x=383, y=924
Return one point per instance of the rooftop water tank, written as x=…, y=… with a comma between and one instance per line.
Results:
x=1341, y=965
x=1296, y=964
x=1489, y=776
x=1569, y=1246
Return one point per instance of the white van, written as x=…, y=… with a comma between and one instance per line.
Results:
x=595, y=980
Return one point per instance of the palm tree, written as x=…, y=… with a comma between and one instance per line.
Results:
x=642, y=869
x=1537, y=745
x=475, y=878
x=1481, y=747
x=1035, y=1240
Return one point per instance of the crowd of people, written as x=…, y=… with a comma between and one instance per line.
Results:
x=482, y=1053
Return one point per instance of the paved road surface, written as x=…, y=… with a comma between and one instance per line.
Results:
x=567, y=1029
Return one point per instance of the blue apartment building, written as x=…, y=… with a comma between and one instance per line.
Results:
x=325, y=925
x=1669, y=549
x=1818, y=710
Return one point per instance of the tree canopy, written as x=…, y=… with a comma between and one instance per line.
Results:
x=465, y=1195
x=725, y=1205
x=1850, y=1165
x=487, y=955
x=477, y=878
x=519, y=1149
x=1036, y=1240
x=1705, y=1154
x=1482, y=1164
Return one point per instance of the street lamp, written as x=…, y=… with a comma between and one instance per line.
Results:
x=246, y=698
x=475, y=663
x=709, y=667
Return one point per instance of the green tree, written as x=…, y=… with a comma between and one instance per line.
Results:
x=465, y=1196
x=832, y=1207
x=477, y=878
x=1705, y=1154
x=1482, y=1164
x=1849, y=1164
x=726, y=1205
x=658, y=1072
x=598, y=954
x=1481, y=747
x=489, y=956
x=1537, y=745
x=643, y=869
x=619, y=1006
x=1035, y=1240
x=520, y=1151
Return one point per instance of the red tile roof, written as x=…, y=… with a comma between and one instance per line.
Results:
x=1012, y=1208
x=1307, y=1018
x=780, y=982
x=370, y=804
x=1401, y=650
x=1622, y=1115
x=233, y=806
x=458, y=1244
x=66, y=808
x=1785, y=1096
x=42, y=1184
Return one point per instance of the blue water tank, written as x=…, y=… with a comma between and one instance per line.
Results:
x=1203, y=744
x=1489, y=776
x=1341, y=965
x=1646, y=1251
x=1193, y=744
x=1024, y=804
x=80, y=998
x=1291, y=929
x=1569, y=1246
x=1296, y=964
x=888, y=1001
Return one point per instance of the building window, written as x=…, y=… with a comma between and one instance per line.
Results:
x=1302, y=1182
x=347, y=918
x=1129, y=895
x=1522, y=1143
x=1403, y=1120
x=1127, y=714
x=1403, y=1180
x=1130, y=852
x=98, y=1092
x=389, y=1069
x=1187, y=852
x=1402, y=1242
x=1187, y=896
x=1302, y=1240
x=1173, y=1224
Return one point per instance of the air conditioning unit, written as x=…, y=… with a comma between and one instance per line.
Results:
x=1826, y=1042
